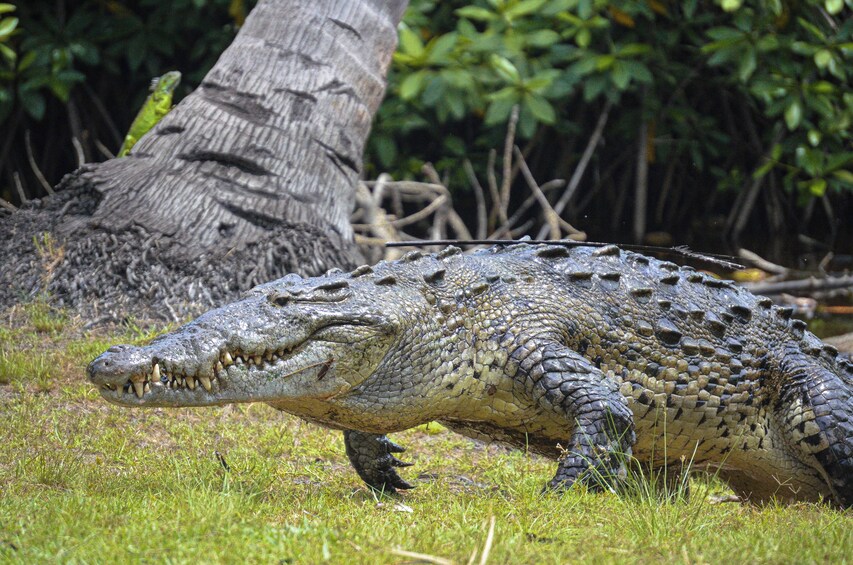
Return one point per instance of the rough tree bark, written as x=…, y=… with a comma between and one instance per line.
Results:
x=251, y=176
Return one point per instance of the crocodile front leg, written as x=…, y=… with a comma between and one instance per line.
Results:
x=371, y=455
x=602, y=423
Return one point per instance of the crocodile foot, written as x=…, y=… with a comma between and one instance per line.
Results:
x=372, y=457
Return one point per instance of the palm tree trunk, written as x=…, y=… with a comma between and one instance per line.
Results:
x=251, y=176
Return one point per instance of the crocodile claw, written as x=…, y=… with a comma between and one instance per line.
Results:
x=370, y=455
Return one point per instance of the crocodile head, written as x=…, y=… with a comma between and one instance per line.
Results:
x=290, y=339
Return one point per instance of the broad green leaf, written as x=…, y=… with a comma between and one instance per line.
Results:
x=33, y=103
x=822, y=58
x=803, y=48
x=7, y=53
x=817, y=187
x=440, y=48
x=731, y=5
x=505, y=69
x=410, y=43
x=542, y=38
x=7, y=26
x=6, y=8
x=475, y=13
x=764, y=169
x=633, y=49
x=385, y=149
x=776, y=152
x=455, y=104
x=498, y=112
x=584, y=67
x=508, y=93
x=412, y=85
x=434, y=91
x=524, y=8
x=542, y=80
x=540, y=108
x=793, y=115
x=747, y=65
x=833, y=6
x=814, y=137
x=583, y=38
x=723, y=33
x=813, y=29
x=604, y=62
x=620, y=75
x=811, y=160
x=639, y=71
x=767, y=43
x=843, y=176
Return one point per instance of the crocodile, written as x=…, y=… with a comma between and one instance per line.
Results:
x=596, y=357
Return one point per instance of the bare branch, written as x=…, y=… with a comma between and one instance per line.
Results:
x=575, y=181
x=555, y=222
x=480, y=197
x=34, y=166
x=20, y=187
x=509, y=143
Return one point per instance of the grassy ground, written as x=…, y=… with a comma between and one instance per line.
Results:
x=85, y=481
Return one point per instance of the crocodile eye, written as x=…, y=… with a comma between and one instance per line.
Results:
x=280, y=299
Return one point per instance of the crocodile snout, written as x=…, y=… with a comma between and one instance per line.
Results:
x=112, y=369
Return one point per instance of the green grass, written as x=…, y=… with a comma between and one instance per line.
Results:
x=84, y=481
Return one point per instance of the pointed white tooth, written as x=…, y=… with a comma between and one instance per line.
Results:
x=191, y=382
x=155, y=375
x=147, y=387
x=226, y=357
x=219, y=368
x=268, y=355
x=258, y=359
x=138, y=387
x=205, y=382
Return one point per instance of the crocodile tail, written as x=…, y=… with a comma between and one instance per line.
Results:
x=816, y=398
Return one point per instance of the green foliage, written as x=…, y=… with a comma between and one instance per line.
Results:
x=81, y=69
x=741, y=85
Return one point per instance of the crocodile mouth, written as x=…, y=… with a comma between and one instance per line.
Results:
x=164, y=376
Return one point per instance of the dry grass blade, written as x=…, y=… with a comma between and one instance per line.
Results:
x=487, y=547
x=422, y=557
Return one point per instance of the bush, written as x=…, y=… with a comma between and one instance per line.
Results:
x=731, y=95
x=80, y=70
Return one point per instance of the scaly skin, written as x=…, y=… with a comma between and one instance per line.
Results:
x=157, y=105
x=605, y=352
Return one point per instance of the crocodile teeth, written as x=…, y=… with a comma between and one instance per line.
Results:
x=218, y=368
x=191, y=383
x=155, y=375
x=205, y=382
x=147, y=387
x=139, y=388
x=227, y=359
x=258, y=359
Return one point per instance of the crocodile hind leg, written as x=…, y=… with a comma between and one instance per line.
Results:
x=815, y=408
x=603, y=425
x=372, y=457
